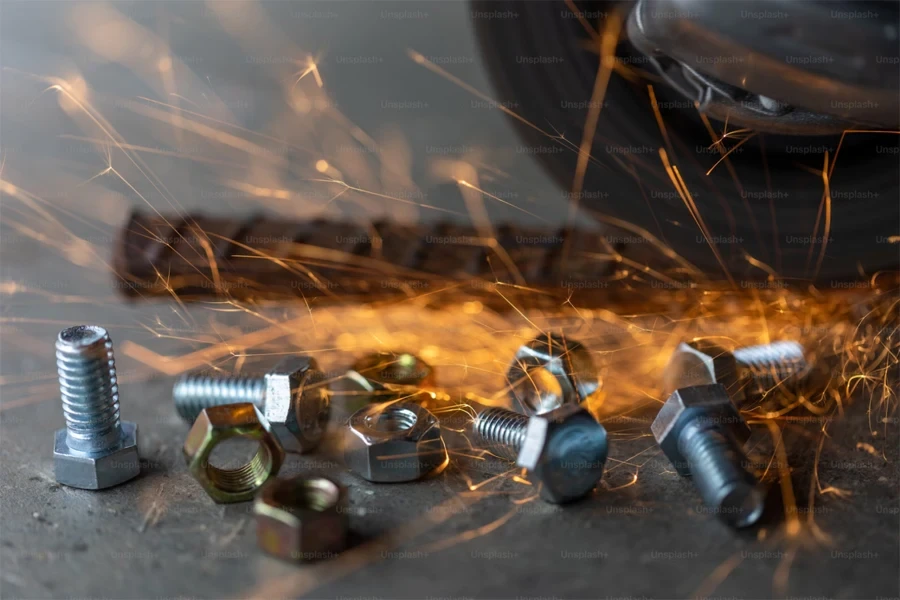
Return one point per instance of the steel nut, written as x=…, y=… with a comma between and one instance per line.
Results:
x=301, y=518
x=217, y=424
x=394, y=441
x=97, y=471
x=551, y=371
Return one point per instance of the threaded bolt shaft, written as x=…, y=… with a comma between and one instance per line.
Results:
x=770, y=365
x=193, y=393
x=503, y=430
x=88, y=389
x=716, y=464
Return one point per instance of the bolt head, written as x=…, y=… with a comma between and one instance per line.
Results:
x=710, y=403
x=297, y=403
x=97, y=471
x=565, y=451
x=565, y=360
x=703, y=363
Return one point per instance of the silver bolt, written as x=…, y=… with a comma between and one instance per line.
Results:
x=95, y=450
x=564, y=450
x=701, y=432
x=747, y=373
x=292, y=397
x=770, y=365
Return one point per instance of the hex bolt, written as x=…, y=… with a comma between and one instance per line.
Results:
x=771, y=364
x=95, y=450
x=748, y=373
x=564, y=450
x=292, y=397
x=702, y=434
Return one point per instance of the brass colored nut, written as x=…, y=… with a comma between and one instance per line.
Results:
x=384, y=376
x=217, y=424
x=395, y=368
x=394, y=441
x=301, y=518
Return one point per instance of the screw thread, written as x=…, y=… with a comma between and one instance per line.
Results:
x=193, y=393
x=503, y=430
x=771, y=365
x=88, y=390
x=716, y=464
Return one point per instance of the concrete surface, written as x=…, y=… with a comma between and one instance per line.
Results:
x=161, y=537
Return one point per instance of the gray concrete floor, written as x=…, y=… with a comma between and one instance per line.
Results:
x=159, y=536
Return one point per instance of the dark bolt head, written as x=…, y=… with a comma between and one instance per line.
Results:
x=708, y=404
x=297, y=403
x=703, y=363
x=564, y=450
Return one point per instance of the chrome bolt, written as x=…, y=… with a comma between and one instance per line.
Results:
x=748, y=373
x=702, y=433
x=95, y=450
x=564, y=450
x=292, y=397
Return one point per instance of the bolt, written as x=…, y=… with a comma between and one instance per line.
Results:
x=564, y=450
x=95, y=450
x=292, y=397
x=748, y=373
x=701, y=433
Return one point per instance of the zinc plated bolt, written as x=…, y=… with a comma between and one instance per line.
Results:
x=564, y=450
x=95, y=450
x=702, y=434
x=748, y=373
x=292, y=397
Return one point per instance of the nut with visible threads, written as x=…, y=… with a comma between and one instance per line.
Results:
x=564, y=450
x=393, y=442
x=701, y=432
x=301, y=518
x=292, y=396
x=95, y=450
x=217, y=424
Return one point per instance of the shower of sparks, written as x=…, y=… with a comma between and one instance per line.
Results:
x=72, y=209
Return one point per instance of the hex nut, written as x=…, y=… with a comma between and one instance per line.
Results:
x=97, y=471
x=709, y=403
x=393, y=442
x=297, y=403
x=567, y=362
x=383, y=376
x=217, y=424
x=703, y=363
x=301, y=519
x=565, y=451
x=396, y=368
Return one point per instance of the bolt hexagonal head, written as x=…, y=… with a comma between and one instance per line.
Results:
x=297, y=403
x=567, y=361
x=709, y=404
x=217, y=424
x=301, y=519
x=394, y=441
x=703, y=363
x=97, y=471
x=564, y=450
